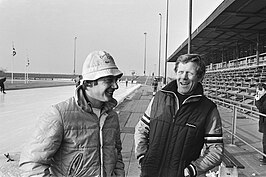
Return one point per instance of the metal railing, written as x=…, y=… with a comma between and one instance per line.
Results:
x=233, y=130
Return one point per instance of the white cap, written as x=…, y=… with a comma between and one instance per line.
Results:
x=99, y=64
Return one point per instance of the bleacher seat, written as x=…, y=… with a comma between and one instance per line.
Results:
x=235, y=85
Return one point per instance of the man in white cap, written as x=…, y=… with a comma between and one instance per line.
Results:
x=80, y=136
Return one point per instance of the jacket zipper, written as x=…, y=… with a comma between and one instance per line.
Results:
x=168, y=138
x=173, y=121
x=102, y=119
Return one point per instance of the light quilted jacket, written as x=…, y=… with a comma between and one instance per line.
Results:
x=71, y=141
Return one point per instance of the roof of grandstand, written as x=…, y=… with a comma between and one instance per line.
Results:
x=233, y=23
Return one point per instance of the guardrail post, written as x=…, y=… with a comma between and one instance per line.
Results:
x=234, y=124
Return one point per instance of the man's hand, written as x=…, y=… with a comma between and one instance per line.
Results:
x=186, y=172
x=259, y=93
x=257, y=97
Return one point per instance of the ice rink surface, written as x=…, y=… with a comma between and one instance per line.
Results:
x=19, y=110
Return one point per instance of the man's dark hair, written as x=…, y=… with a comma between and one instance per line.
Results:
x=261, y=85
x=89, y=83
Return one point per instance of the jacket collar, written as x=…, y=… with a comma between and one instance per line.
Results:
x=83, y=101
x=263, y=98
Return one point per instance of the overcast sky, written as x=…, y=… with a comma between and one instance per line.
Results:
x=44, y=32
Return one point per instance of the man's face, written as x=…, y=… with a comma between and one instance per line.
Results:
x=187, y=79
x=260, y=91
x=104, y=90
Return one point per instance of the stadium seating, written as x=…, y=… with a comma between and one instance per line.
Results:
x=234, y=82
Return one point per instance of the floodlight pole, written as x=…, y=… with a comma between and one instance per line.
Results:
x=189, y=27
x=166, y=40
x=12, y=65
x=74, y=71
x=145, y=55
x=160, y=34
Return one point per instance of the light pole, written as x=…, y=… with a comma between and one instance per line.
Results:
x=160, y=44
x=74, y=71
x=166, y=38
x=27, y=69
x=189, y=27
x=154, y=69
x=145, y=34
x=12, y=66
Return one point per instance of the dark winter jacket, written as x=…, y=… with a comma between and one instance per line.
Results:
x=261, y=105
x=170, y=137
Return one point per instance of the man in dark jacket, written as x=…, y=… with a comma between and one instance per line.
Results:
x=2, y=85
x=180, y=133
x=260, y=102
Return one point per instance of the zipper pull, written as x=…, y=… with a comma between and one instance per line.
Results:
x=173, y=119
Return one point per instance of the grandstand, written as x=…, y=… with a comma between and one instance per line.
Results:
x=232, y=41
x=234, y=82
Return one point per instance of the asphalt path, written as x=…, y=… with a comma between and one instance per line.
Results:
x=19, y=110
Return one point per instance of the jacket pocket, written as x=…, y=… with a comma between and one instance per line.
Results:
x=192, y=130
x=75, y=166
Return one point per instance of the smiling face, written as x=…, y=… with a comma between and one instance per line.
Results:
x=260, y=91
x=104, y=89
x=187, y=77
